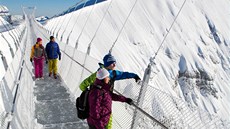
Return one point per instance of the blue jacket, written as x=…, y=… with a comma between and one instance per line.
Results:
x=121, y=75
x=52, y=50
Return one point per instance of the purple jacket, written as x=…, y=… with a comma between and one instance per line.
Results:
x=100, y=104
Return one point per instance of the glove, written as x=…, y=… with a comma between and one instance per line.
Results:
x=46, y=61
x=59, y=57
x=129, y=101
x=137, y=78
x=31, y=60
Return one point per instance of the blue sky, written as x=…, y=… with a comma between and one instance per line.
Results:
x=44, y=7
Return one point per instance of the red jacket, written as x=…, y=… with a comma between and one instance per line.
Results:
x=100, y=104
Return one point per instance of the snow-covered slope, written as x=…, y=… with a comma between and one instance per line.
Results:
x=193, y=63
x=79, y=5
x=42, y=19
x=3, y=9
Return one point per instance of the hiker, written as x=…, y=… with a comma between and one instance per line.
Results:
x=53, y=54
x=38, y=55
x=100, y=101
x=109, y=64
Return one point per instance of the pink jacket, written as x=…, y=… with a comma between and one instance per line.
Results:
x=100, y=104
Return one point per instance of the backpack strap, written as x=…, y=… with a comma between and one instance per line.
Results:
x=85, y=97
x=113, y=80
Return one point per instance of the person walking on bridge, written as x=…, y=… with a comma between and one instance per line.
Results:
x=53, y=54
x=38, y=55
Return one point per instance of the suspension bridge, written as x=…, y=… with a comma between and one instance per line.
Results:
x=50, y=103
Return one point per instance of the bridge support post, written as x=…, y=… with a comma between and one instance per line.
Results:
x=141, y=96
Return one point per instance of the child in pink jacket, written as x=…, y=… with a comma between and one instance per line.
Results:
x=38, y=55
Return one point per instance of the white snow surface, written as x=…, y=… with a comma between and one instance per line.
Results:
x=10, y=37
x=193, y=64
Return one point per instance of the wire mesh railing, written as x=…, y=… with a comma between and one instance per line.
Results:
x=169, y=110
x=16, y=88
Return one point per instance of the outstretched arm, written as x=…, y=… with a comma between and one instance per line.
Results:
x=116, y=97
x=124, y=75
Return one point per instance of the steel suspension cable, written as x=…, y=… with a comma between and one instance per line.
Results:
x=62, y=24
x=89, y=46
x=13, y=37
x=148, y=73
x=72, y=31
x=110, y=51
x=76, y=45
x=11, y=49
x=69, y=20
x=72, y=56
x=88, y=49
x=11, y=27
x=62, y=21
x=75, y=5
x=76, y=21
x=49, y=28
x=153, y=58
x=55, y=26
x=8, y=29
x=99, y=24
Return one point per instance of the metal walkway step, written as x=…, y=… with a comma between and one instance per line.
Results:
x=53, y=106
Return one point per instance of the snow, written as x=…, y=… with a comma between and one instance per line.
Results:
x=195, y=51
x=3, y=9
x=42, y=18
x=192, y=65
x=8, y=39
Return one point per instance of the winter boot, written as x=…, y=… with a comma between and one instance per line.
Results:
x=55, y=76
x=50, y=74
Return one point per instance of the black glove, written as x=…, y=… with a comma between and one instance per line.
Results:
x=129, y=101
x=31, y=60
x=137, y=78
x=59, y=57
x=46, y=61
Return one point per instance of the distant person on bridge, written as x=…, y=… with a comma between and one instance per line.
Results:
x=53, y=54
x=109, y=64
x=38, y=55
x=100, y=101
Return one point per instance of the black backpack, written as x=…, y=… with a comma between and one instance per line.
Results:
x=82, y=103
